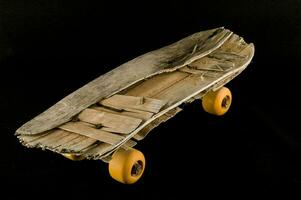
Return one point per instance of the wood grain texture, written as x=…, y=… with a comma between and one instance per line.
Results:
x=162, y=60
x=79, y=145
x=129, y=112
x=124, y=102
x=63, y=142
x=88, y=131
x=110, y=122
x=51, y=137
x=156, y=84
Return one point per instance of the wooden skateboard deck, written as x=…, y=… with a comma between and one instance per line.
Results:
x=110, y=112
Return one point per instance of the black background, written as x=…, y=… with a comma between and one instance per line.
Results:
x=50, y=48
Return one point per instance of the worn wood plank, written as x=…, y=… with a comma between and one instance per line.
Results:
x=129, y=112
x=65, y=147
x=52, y=136
x=169, y=58
x=66, y=139
x=29, y=138
x=83, y=144
x=95, y=152
x=183, y=88
x=111, y=122
x=68, y=146
x=53, y=141
x=59, y=140
x=132, y=102
x=145, y=114
x=156, y=84
x=82, y=129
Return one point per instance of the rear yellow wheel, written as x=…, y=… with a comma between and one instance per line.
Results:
x=217, y=102
x=127, y=166
x=73, y=157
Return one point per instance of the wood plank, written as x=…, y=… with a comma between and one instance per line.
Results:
x=169, y=58
x=30, y=138
x=83, y=144
x=132, y=102
x=52, y=136
x=54, y=141
x=67, y=147
x=156, y=84
x=100, y=135
x=146, y=115
x=60, y=140
x=129, y=112
x=64, y=147
x=110, y=122
x=66, y=139
x=97, y=151
x=184, y=88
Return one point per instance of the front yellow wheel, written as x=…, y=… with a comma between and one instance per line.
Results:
x=217, y=102
x=127, y=166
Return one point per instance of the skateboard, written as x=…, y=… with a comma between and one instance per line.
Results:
x=105, y=119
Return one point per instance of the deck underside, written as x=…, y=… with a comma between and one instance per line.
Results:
x=127, y=116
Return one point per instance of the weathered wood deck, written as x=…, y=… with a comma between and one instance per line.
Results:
x=111, y=112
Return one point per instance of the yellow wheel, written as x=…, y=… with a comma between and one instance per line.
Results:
x=127, y=166
x=217, y=102
x=73, y=156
